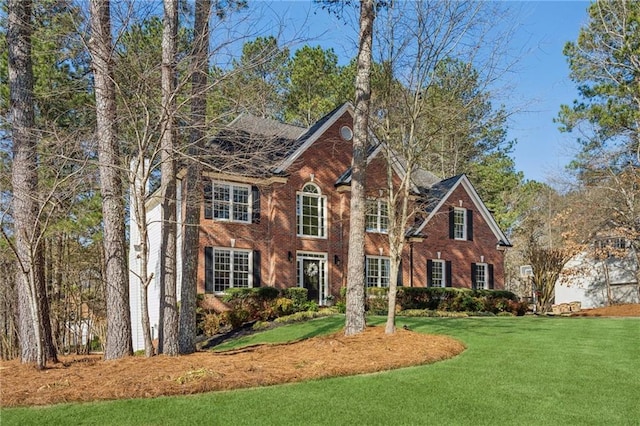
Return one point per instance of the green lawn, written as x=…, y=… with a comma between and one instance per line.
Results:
x=515, y=371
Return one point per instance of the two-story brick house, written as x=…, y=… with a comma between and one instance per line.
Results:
x=280, y=217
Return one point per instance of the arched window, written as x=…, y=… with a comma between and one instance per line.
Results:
x=311, y=211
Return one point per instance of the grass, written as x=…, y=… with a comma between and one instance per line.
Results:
x=516, y=371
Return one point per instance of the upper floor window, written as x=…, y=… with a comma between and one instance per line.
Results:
x=461, y=224
x=311, y=212
x=377, y=219
x=227, y=268
x=377, y=271
x=233, y=202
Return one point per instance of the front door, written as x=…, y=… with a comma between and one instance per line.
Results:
x=312, y=276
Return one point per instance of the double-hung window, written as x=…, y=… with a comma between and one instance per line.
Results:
x=438, y=273
x=231, y=202
x=482, y=276
x=377, y=218
x=461, y=224
x=377, y=271
x=227, y=268
x=311, y=212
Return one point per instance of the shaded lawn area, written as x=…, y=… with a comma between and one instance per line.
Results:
x=515, y=371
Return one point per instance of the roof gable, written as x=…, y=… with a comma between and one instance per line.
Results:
x=312, y=134
x=440, y=192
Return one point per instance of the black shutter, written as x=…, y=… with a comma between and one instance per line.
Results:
x=474, y=283
x=399, y=280
x=256, y=268
x=208, y=269
x=255, y=207
x=451, y=223
x=447, y=266
x=429, y=273
x=470, y=225
x=490, y=277
x=208, y=200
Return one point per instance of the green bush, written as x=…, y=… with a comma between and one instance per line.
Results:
x=235, y=317
x=377, y=301
x=298, y=296
x=430, y=313
x=456, y=299
x=283, y=306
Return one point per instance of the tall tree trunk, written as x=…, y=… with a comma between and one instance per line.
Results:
x=169, y=338
x=118, y=339
x=33, y=312
x=192, y=187
x=355, y=320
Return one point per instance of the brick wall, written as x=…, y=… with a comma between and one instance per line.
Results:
x=323, y=163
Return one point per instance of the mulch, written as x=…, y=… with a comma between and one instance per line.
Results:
x=89, y=378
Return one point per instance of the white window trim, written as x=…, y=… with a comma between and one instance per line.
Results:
x=231, y=252
x=323, y=211
x=231, y=203
x=444, y=272
x=485, y=283
x=464, y=224
x=379, y=276
x=378, y=229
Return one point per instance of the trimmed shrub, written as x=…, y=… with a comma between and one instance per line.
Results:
x=377, y=301
x=456, y=299
x=298, y=296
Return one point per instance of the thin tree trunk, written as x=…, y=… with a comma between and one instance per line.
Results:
x=138, y=200
x=192, y=187
x=118, y=340
x=355, y=319
x=169, y=342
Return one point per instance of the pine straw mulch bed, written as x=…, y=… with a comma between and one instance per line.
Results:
x=89, y=378
x=627, y=310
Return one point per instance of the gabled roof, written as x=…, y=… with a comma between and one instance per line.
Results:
x=438, y=194
x=252, y=146
x=266, y=127
x=312, y=134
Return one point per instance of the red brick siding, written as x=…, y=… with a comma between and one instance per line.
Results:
x=327, y=159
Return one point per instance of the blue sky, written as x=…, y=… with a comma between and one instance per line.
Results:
x=538, y=86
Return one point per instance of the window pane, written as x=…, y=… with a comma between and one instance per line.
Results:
x=221, y=270
x=481, y=276
x=241, y=204
x=372, y=272
x=241, y=269
x=377, y=273
x=384, y=273
x=437, y=273
x=377, y=217
x=458, y=224
x=372, y=215
x=311, y=211
x=221, y=201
